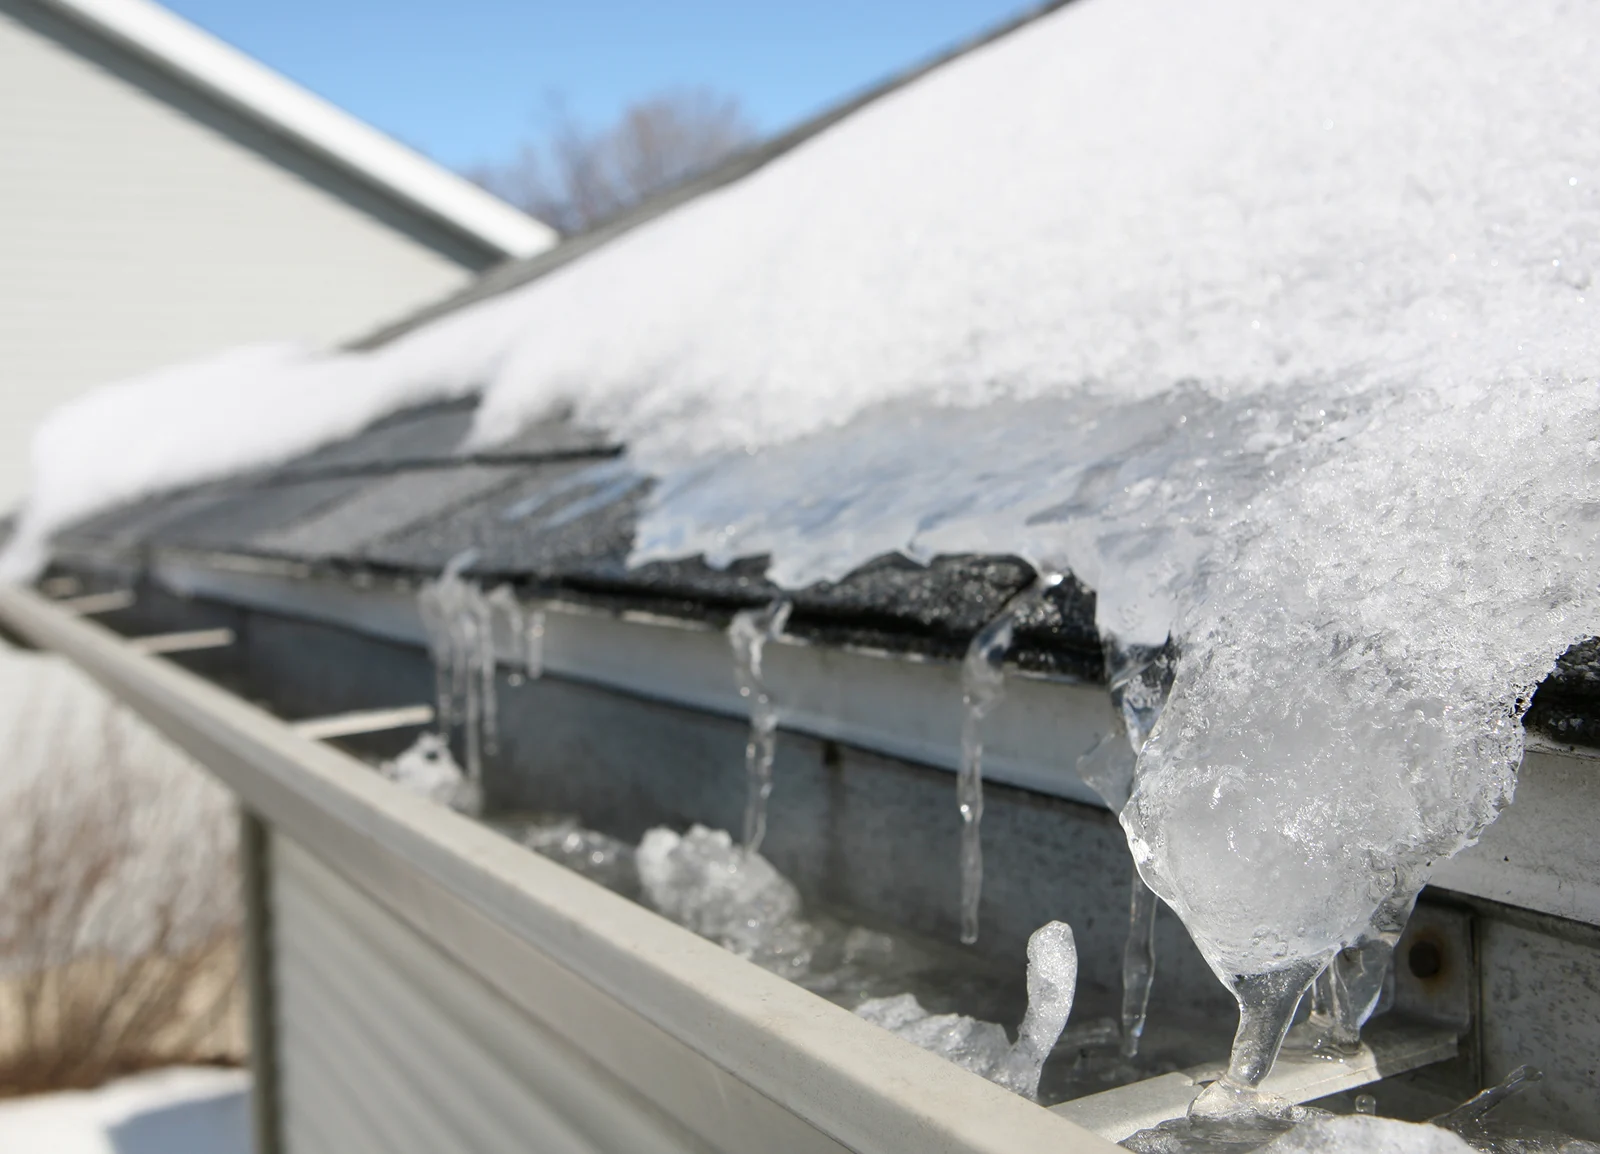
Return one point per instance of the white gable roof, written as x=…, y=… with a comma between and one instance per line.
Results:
x=227, y=75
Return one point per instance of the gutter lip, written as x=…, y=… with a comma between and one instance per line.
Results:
x=850, y=1080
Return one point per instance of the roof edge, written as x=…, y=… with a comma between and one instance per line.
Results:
x=515, y=274
x=221, y=72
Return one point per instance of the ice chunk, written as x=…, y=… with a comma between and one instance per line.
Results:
x=607, y=860
x=973, y=1045
x=1052, y=983
x=983, y=1047
x=428, y=769
x=1360, y=1134
x=721, y=891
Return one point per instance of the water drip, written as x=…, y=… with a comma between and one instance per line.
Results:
x=982, y=687
x=748, y=634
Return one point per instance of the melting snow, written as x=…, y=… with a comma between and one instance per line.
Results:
x=1273, y=323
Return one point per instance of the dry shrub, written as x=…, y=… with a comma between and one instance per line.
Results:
x=119, y=907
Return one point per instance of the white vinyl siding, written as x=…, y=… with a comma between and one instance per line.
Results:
x=385, y=1044
x=136, y=231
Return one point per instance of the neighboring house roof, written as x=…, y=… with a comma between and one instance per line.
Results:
x=228, y=76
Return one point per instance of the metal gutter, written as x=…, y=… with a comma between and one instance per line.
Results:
x=1539, y=854
x=903, y=706
x=568, y=947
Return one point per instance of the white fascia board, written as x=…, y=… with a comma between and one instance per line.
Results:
x=221, y=71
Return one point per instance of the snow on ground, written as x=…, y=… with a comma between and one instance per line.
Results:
x=178, y=1111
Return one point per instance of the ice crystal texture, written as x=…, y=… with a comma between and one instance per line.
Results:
x=981, y=1047
x=605, y=859
x=1052, y=985
x=1360, y=1134
x=721, y=891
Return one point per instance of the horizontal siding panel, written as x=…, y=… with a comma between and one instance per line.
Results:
x=384, y=1044
x=136, y=231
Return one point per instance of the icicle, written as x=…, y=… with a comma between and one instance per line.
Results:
x=1267, y=1003
x=1052, y=982
x=1138, y=964
x=1139, y=679
x=438, y=605
x=1469, y=1116
x=983, y=684
x=455, y=618
x=532, y=637
x=484, y=668
x=1347, y=993
x=748, y=634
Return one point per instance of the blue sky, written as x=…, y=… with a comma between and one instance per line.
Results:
x=467, y=81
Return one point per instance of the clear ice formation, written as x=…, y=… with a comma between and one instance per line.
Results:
x=727, y=893
x=607, y=860
x=427, y=769
x=983, y=684
x=983, y=1047
x=1138, y=964
x=462, y=627
x=1139, y=678
x=1052, y=983
x=748, y=635
x=1473, y=1121
x=1348, y=991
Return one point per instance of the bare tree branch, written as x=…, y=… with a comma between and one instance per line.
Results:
x=579, y=179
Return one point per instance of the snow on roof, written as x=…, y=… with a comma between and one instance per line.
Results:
x=223, y=73
x=1273, y=323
